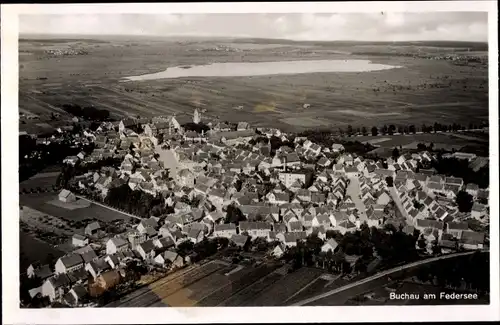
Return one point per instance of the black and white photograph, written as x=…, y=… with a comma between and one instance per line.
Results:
x=335, y=158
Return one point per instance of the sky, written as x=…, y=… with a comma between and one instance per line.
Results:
x=453, y=26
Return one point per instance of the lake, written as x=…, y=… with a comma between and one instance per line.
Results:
x=247, y=69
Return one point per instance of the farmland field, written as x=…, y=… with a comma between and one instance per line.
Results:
x=42, y=202
x=421, y=91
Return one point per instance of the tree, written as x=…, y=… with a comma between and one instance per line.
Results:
x=421, y=243
x=349, y=130
x=464, y=201
x=374, y=131
x=364, y=131
x=392, y=129
x=401, y=130
x=389, y=181
x=412, y=129
x=395, y=153
x=385, y=129
x=234, y=215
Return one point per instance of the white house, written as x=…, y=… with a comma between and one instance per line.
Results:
x=115, y=245
x=79, y=240
x=478, y=211
x=146, y=250
x=169, y=257
x=255, y=229
x=331, y=244
x=69, y=263
x=55, y=286
x=66, y=196
x=278, y=251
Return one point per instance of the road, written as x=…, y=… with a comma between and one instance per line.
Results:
x=353, y=190
x=169, y=160
x=399, y=204
x=378, y=276
x=108, y=207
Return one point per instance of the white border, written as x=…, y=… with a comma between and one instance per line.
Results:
x=10, y=238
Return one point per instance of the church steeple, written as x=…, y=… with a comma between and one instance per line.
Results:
x=196, y=116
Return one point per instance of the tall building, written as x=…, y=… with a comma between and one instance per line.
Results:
x=196, y=116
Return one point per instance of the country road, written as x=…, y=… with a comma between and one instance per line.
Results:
x=108, y=207
x=378, y=276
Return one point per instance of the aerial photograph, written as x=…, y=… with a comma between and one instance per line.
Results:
x=248, y=159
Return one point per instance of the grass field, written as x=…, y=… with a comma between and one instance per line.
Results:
x=32, y=249
x=423, y=91
x=411, y=140
x=41, y=202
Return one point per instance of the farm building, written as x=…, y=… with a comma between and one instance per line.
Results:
x=66, y=196
x=92, y=228
x=79, y=240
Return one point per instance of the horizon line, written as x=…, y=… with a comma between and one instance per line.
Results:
x=242, y=37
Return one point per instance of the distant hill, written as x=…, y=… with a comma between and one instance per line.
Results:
x=478, y=46
x=473, y=46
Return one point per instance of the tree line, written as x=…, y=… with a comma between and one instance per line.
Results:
x=88, y=112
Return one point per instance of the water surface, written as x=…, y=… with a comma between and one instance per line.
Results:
x=246, y=69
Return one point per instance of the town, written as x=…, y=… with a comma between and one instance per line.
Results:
x=234, y=194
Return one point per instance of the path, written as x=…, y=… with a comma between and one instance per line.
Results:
x=378, y=276
x=399, y=204
x=354, y=191
x=108, y=207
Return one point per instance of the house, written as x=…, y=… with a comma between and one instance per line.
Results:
x=92, y=228
x=150, y=223
x=472, y=240
x=135, y=238
x=478, y=210
x=108, y=279
x=242, y=126
x=66, y=196
x=146, y=250
x=36, y=270
x=324, y=162
x=164, y=243
x=336, y=147
x=87, y=254
x=384, y=198
x=239, y=240
x=331, y=244
x=456, y=228
x=290, y=239
x=472, y=189
x=345, y=226
x=69, y=263
x=126, y=124
x=114, y=260
x=116, y=244
x=351, y=172
x=321, y=220
x=278, y=251
x=185, y=177
x=97, y=267
x=169, y=257
x=422, y=224
x=255, y=229
x=76, y=295
x=288, y=178
x=195, y=235
x=55, y=286
x=71, y=160
x=279, y=198
x=79, y=240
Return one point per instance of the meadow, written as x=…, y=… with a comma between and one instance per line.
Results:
x=422, y=91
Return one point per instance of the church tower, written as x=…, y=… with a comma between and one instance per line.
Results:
x=196, y=116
